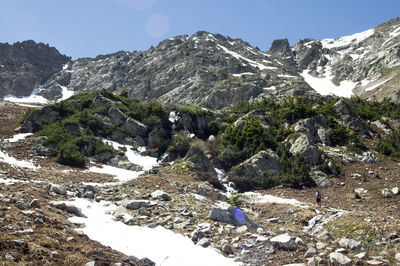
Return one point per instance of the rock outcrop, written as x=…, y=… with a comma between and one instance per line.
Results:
x=26, y=65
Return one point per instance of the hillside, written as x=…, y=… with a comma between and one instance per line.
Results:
x=179, y=183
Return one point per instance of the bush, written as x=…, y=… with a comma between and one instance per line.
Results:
x=69, y=155
x=180, y=145
x=235, y=200
x=390, y=145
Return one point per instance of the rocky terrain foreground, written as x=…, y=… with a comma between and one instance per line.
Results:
x=44, y=212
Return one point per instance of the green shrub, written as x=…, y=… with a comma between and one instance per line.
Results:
x=180, y=145
x=390, y=145
x=69, y=155
x=235, y=200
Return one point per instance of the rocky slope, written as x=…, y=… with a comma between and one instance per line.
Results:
x=206, y=69
x=215, y=71
x=26, y=65
x=364, y=64
x=48, y=209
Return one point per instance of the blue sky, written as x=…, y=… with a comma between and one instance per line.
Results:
x=86, y=28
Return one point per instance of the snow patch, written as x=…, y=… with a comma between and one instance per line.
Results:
x=251, y=62
x=347, y=40
x=66, y=93
x=15, y=162
x=325, y=86
x=376, y=85
x=160, y=245
x=33, y=98
x=173, y=117
x=272, y=88
x=259, y=198
x=242, y=74
x=18, y=137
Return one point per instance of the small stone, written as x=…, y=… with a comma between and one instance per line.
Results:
x=339, y=259
x=299, y=241
x=320, y=245
x=341, y=250
x=311, y=252
x=54, y=255
x=58, y=189
x=90, y=263
x=204, y=242
x=283, y=241
x=228, y=249
x=39, y=220
x=397, y=256
x=360, y=255
x=9, y=257
x=273, y=220
x=160, y=195
x=22, y=205
x=395, y=191
x=35, y=203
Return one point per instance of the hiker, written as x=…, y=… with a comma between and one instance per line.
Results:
x=318, y=198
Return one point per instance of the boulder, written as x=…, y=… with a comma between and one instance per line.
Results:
x=343, y=108
x=315, y=128
x=367, y=157
x=320, y=178
x=283, y=241
x=101, y=101
x=38, y=118
x=198, y=161
x=264, y=119
x=58, y=189
x=350, y=244
x=386, y=193
x=134, y=127
x=117, y=116
x=103, y=157
x=303, y=145
x=258, y=164
x=138, y=204
x=160, y=195
x=68, y=208
x=232, y=215
x=339, y=259
x=207, y=190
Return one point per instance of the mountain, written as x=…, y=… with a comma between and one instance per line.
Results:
x=204, y=69
x=216, y=71
x=26, y=65
x=365, y=64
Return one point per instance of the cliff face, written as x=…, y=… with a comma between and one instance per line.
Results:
x=26, y=65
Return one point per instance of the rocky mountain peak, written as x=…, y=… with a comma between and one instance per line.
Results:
x=25, y=65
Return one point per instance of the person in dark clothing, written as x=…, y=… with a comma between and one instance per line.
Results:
x=318, y=198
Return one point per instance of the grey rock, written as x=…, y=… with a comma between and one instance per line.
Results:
x=250, y=169
x=228, y=249
x=203, y=243
x=395, y=191
x=386, y=193
x=22, y=205
x=90, y=263
x=198, y=161
x=117, y=116
x=25, y=65
x=160, y=195
x=137, y=204
x=35, y=203
x=315, y=128
x=320, y=178
x=54, y=255
x=58, y=189
x=344, y=109
x=397, y=256
x=9, y=257
x=38, y=118
x=228, y=216
x=207, y=190
x=134, y=128
x=339, y=259
x=68, y=208
x=367, y=157
x=350, y=244
x=303, y=145
x=283, y=241
x=311, y=252
x=41, y=150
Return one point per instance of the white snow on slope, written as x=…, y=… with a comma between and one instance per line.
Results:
x=242, y=74
x=259, y=198
x=33, y=98
x=66, y=93
x=18, y=137
x=346, y=40
x=325, y=86
x=15, y=162
x=123, y=175
x=251, y=62
x=162, y=246
x=373, y=86
x=393, y=35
